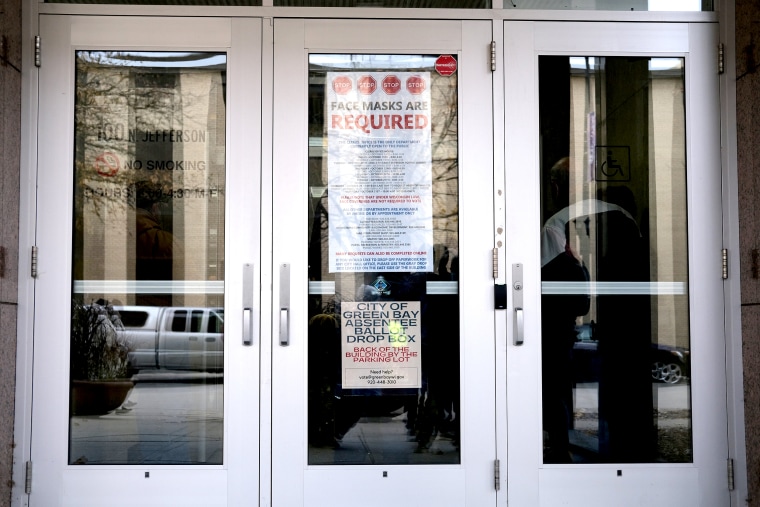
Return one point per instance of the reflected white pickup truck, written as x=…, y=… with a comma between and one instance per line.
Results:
x=174, y=338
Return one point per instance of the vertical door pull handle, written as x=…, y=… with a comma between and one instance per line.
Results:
x=247, y=304
x=284, y=334
x=284, y=305
x=519, y=327
x=517, y=303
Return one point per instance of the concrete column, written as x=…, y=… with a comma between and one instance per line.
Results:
x=748, y=160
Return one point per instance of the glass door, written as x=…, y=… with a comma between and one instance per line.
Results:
x=383, y=358
x=143, y=311
x=620, y=242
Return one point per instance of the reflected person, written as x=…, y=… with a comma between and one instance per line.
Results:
x=558, y=320
x=615, y=244
x=158, y=253
x=324, y=358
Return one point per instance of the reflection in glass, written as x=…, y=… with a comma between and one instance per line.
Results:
x=383, y=344
x=393, y=4
x=615, y=315
x=599, y=5
x=225, y=3
x=147, y=347
x=613, y=5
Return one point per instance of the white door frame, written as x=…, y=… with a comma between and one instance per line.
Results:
x=476, y=236
x=268, y=276
x=62, y=484
x=533, y=483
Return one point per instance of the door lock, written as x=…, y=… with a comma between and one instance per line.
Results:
x=499, y=296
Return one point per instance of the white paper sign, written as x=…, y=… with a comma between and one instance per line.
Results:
x=379, y=171
x=381, y=344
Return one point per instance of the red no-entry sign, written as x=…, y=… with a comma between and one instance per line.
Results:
x=446, y=65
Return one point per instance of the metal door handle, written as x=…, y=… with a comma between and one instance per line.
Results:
x=284, y=305
x=247, y=326
x=247, y=304
x=519, y=327
x=284, y=334
x=517, y=303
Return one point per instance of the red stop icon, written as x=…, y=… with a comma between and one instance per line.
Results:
x=446, y=65
x=366, y=85
x=415, y=85
x=391, y=84
x=342, y=85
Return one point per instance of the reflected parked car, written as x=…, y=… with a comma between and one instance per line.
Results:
x=669, y=364
x=174, y=338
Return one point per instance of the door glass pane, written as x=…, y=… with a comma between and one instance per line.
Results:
x=412, y=4
x=613, y=5
x=224, y=3
x=147, y=346
x=615, y=313
x=383, y=345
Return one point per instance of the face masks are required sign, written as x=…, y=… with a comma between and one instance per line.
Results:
x=379, y=171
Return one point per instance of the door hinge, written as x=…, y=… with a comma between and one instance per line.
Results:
x=34, y=261
x=496, y=475
x=724, y=263
x=37, y=51
x=493, y=56
x=28, y=478
x=730, y=474
x=721, y=58
x=495, y=261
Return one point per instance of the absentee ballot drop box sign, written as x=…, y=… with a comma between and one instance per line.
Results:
x=381, y=344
